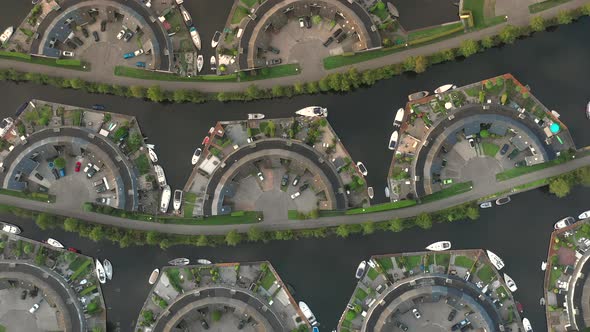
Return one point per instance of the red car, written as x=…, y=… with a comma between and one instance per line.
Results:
x=74, y=250
x=78, y=165
x=205, y=140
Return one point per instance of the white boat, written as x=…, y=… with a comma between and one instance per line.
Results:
x=542, y=301
x=313, y=111
x=150, y=146
x=510, y=283
x=204, y=261
x=584, y=215
x=200, y=62
x=439, y=246
x=153, y=155
x=399, y=117
x=360, y=270
x=10, y=228
x=563, y=223
x=186, y=16
x=387, y=194
x=179, y=2
x=100, y=273
x=527, y=325
x=393, y=141
x=165, y=200
x=255, y=116
x=215, y=39
x=154, y=276
x=213, y=62
x=543, y=266
x=160, y=175
x=417, y=95
x=196, y=156
x=444, y=88
x=496, y=260
x=6, y=34
x=177, y=202
x=485, y=205
x=54, y=243
x=307, y=313
x=179, y=261
x=108, y=268
x=370, y=192
x=361, y=167
x=588, y=110
x=196, y=39
x=503, y=200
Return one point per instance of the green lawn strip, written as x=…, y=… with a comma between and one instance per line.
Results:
x=442, y=259
x=293, y=215
x=174, y=277
x=518, y=171
x=385, y=263
x=464, y=262
x=383, y=207
x=76, y=263
x=87, y=290
x=2, y=328
x=490, y=149
x=372, y=273
x=81, y=269
x=412, y=262
x=541, y=6
x=289, y=69
x=455, y=189
x=40, y=197
x=476, y=8
x=158, y=76
x=360, y=294
x=75, y=65
x=485, y=273
x=143, y=164
x=239, y=14
x=537, y=183
x=189, y=204
x=502, y=293
x=267, y=280
x=435, y=31
x=555, y=274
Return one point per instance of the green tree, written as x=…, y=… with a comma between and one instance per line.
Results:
x=45, y=221
x=152, y=238
x=583, y=175
x=277, y=91
x=469, y=47
x=137, y=91
x=343, y=231
x=368, y=227
x=585, y=10
x=409, y=64
x=216, y=315
x=180, y=96
x=77, y=83
x=253, y=92
x=472, y=213
x=448, y=54
x=97, y=233
x=59, y=163
x=559, y=187
x=202, y=241
x=564, y=17
x=509, y=34
x=28, y=248
x=104, y=88
x=255, y=234
x=538, y=23
x=299, y=88
x=71, y=225
x=312, y=87
x=155, y=93
x=424, y=221
x=396, y=225
x=421, y=64
x=233, y=238
x=488, y=42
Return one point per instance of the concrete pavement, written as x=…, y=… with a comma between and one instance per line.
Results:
x=271, y=225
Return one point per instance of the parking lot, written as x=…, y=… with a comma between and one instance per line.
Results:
x=15, y=304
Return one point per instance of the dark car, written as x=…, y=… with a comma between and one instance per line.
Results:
x=303, y=187
x=273, y=62
x=444, y=149
x=461, y=325
x=55, y=173
x=34, y=291
x=341, y=38
x=128, y=35
x=452, y=315
x=444, y=163
x=98, y=107
x=103, y=26
x=305, y=22
x=78, y=41
x=71, y=44
x=273, y=50
x=328, y=41
x=85, y=33
x=337, y=33
x=204, y=324
x=39, y=176
x=521, y=163
x=241, y=324
x=504, y=149
x=400, y=325
x=23, y=295
x=285, y=180
x=95, y=35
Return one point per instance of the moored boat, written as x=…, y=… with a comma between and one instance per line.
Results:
x=527, y=325
x=179, y=261
x=204, y=261
x=55, y=243
x=439, y=246
x=153, y=155
x=399, y=117
x=196, y=156
x=417, y=95
x=313, y=111
x=393, y=141
x=444, y=88
x=584, y=215
x=160, y=175
x=6, y=34
x=361, y=167
x=496, y=260
x=360, y=270
x=215, y=39
x=100, y=273
x=165, y=200
x=387, y=193
x=154, y=276
x=255, y=116
x=485, y=205
x=543, y=266
x=10, y=228
x=177, y=202
x=196, y=39
x=588, y=110
x=510, y=283
x=213, y=62
x=108, y=268
x=200, y=62
x=307, y=313
x=370, y=192
x=565, y=222
x=186, y=16
x=503, y=200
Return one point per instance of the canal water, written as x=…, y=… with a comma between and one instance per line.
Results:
x=554, y=64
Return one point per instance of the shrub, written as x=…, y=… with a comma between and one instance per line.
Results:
x=469, y=47
x=564, y=17
x=538, y=23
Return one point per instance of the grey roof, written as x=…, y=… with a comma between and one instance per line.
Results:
x=498, y=128
x=471, y=128
x=519, y=143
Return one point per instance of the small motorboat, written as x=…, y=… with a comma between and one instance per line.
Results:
x=55, y=243
x=6, y=34
x=108, y=268
x=361, y=167
x=393, y=141
x=444, y=88
x=360, y=270
x=98, y=107
x=485, y=205
x=154, y=276
x=153, y=155
x=206, y=140
x=527, y=325
x=439, y=246
x=200, y=62
x=10, y=228
x=519, y=307
x=584, y=215
x=203, y=261
x=588, y=110
x=255, y=116
x=150, y=146
x=307, y=313
x=313, y=111
x=165, y=200
x=215, y=40
x=213, y=62
x=100, y=273
x=177, y=201
x=186, y=16
x=496, y=260
x=315, y=329
x=196, y=39
x=510, y=283
x=196, y=156
x=387, y=194
x=542, y=301
x=160, y=175
x=417, y=95
x=503, y=200
x=370, y=192
x=179, y=261
x=543, y=266
x=399, y=117
x=563, y=223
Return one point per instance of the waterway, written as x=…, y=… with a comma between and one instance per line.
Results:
x=554, y=64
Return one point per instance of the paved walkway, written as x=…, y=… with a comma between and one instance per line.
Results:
x=518, y=16
x=270, y=225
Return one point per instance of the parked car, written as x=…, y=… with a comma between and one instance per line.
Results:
x=472, y=142
x=34, y=308
x=98, y=107
x=304, y=187
x=447, y=181
x=95, y=35
x=416, y=313
x=121, y=34
x=103, y=26
x=204, y=324
x=260, y=176
x=452, y=315
x=85, y=32
x=304, y=22
x=337, y=33
x=138, y=52
x=128, y=36
x=295, y=195
x=88, y=167
x=39, y=176
x=400, y=325
x=78, y=165
x=285, y=180
x=140, y=64
x=328, y=41
x=62, y=172
x=128, y=55
x=504, y=149
x=272, y=62
x=273, y=50
x=296, y=180
x=71, y=44
x=23, y=295
x=444, y=163
x=341, y=38
x=78, y=41
x=101, y=189
x=55, y=173
x=521, y=163
x=91, y=172
x=67, y=53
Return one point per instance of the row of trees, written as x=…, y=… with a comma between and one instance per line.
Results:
x=562, y=185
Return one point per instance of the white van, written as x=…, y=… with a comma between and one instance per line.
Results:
x=239, y=34
x=106, y=183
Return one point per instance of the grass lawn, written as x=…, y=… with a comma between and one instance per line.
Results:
x=289, y=69
x=249, y=3
x=413, y=261
x=75, y=65
x=477, y=10
x=40, y=197
x=189, y=204
x=2, y=328
x=81, y=270
x=267, y=281
x=372, y=273
x=382, y=12
x=174, y=277
x=490, y=149
x=385, y=263
x=143, y=164
x=455, y=189
x=485, y=273
x=157, y=76
x=239, y=14
x=518, y=171
x=442, y=259
x=432, y=32
x=555, y=274
x=463, y=261
x=537, y=183
x=360, y=294
x=383, y=207
x=541, y=6
x=76, y=263
x=248, y=217
x=502, y=293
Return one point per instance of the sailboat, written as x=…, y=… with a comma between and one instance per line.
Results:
x=196, y=39
x=165, y=201
x=307, y=313
x=108, y=268
x=510, y=283
x=6, y=34
x=439, y=246
x=179, y=261
x=313, y=111
x=186, y=16
x=55, y=243
x=100, y=273
x=496, y=260
x=200, y=62
x=444, y=88
x=153, y=155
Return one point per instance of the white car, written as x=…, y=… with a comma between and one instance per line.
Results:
x=67, y=53
x=295, y=195
x=260, y=176
x=121, y=34
x=138, y=52
x=416, y=313
x=34, y=308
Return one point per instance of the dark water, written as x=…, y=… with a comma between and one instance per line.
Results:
x=13, y=12
x=554, y=65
